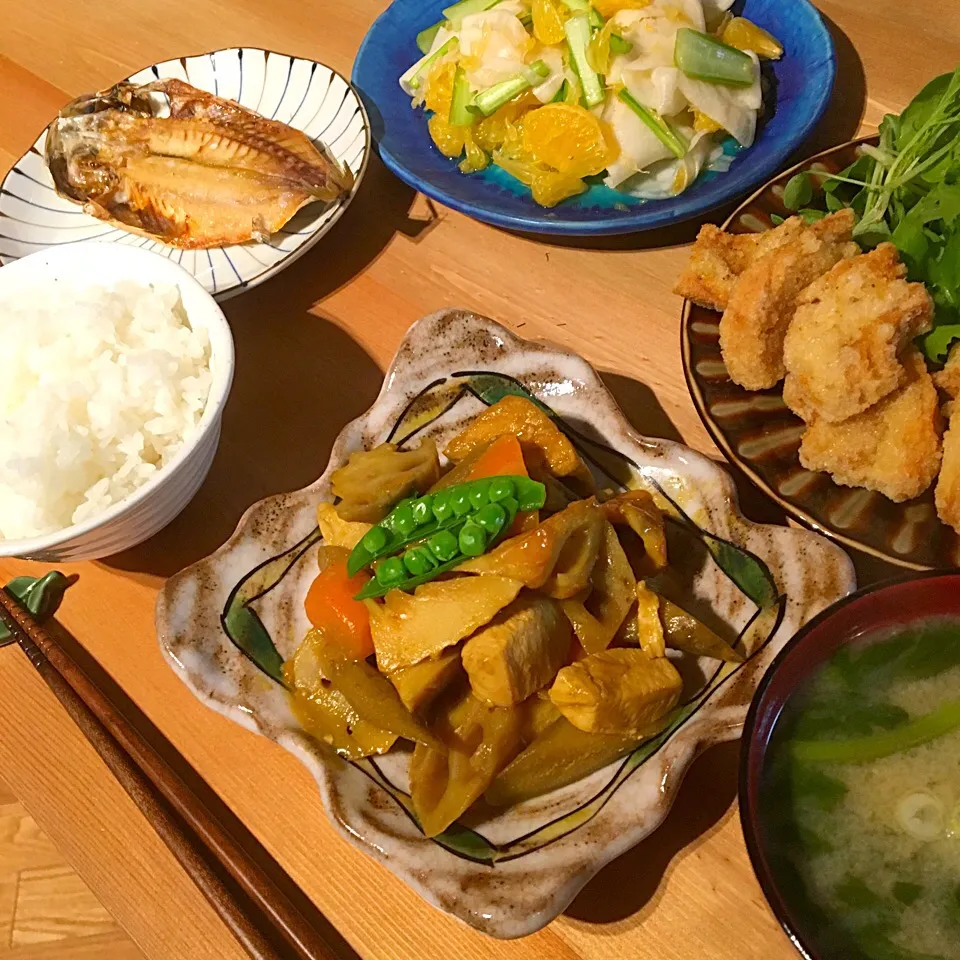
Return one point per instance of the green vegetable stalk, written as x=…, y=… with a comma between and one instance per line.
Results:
x=945, y=719
x=674, y=141
x=577, y=29
x=704, y=57
x=426, y=37
x=584, y=7
x=493, y=98
x=460, y=113
x=412, y=79
x=465, y=8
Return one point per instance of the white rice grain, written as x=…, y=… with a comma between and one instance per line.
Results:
x=99, y=389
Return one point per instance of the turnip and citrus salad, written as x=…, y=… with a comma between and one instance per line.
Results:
x=639, y=93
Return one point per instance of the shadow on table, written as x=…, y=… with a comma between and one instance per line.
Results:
x=299, y=378
x=632, y=883
x=845, y=111
x=640, y=406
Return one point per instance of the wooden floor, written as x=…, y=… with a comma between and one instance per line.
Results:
x=46, y=911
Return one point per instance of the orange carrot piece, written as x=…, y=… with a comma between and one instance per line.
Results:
x=503, y=458
x=331, y=607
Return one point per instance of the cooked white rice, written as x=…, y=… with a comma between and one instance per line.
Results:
x=99, y=388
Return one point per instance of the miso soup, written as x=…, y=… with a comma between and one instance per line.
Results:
x=861, y=798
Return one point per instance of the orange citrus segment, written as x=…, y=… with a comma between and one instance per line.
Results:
x=447, y=137
x=568, y=138
x=494, y=131
x=547, y=186
x=607, y=8
x=704, y=124
x=439, y=86
x=746, y=35
x=476, y=159
x=547, y=21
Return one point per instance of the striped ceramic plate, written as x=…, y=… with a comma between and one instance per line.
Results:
x=307, y=95
x=761, y=436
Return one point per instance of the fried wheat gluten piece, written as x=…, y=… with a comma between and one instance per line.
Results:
x=718, y=258
x=948, y=486
x=842, y=349
x=947, y=494
x=948, y=379
x=761, y=306
x=894, y=447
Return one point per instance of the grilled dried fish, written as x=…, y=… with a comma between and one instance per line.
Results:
x=191, y=169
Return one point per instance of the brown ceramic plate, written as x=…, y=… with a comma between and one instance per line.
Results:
x=761, y=436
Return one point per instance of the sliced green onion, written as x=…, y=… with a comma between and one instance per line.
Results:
x=584, y=6
x=412, y=79
x=426, y=37
x=619, y=45
x=675, y=142
x=704, y=57
x=577, y=30
x=493, y=98
x=945, y=719
x=465, y=8
x=460, y=113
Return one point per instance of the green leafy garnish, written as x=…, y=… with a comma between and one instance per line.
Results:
x=798, y=192
x=907, y=190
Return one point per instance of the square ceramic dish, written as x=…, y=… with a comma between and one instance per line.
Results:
x=226, y=624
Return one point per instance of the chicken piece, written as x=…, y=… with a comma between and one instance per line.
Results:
x=948, y=379
x=338, y=532
x=541, y=440
x=947, y=494
x=419, y=684
x=718, y=258
x=620, y=691
x=519, y=652
x=410, y=627
x=762, y=303
x=894, y=447
x=842, y=349
x=948, y=485
x=372, y=481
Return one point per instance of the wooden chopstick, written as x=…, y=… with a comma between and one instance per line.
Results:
x=257, y=900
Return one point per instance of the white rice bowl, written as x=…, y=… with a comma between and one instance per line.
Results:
x=101, y=387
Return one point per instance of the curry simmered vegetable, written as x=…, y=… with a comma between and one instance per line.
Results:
x=498, y=614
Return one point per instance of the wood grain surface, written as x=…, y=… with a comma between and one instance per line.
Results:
x=46, y=910
x=311, y=347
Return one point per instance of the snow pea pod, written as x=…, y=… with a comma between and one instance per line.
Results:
x=476, y=503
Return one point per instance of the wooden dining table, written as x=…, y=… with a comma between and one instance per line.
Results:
x=312, y=344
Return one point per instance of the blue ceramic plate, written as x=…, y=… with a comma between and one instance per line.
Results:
x=797, y=98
